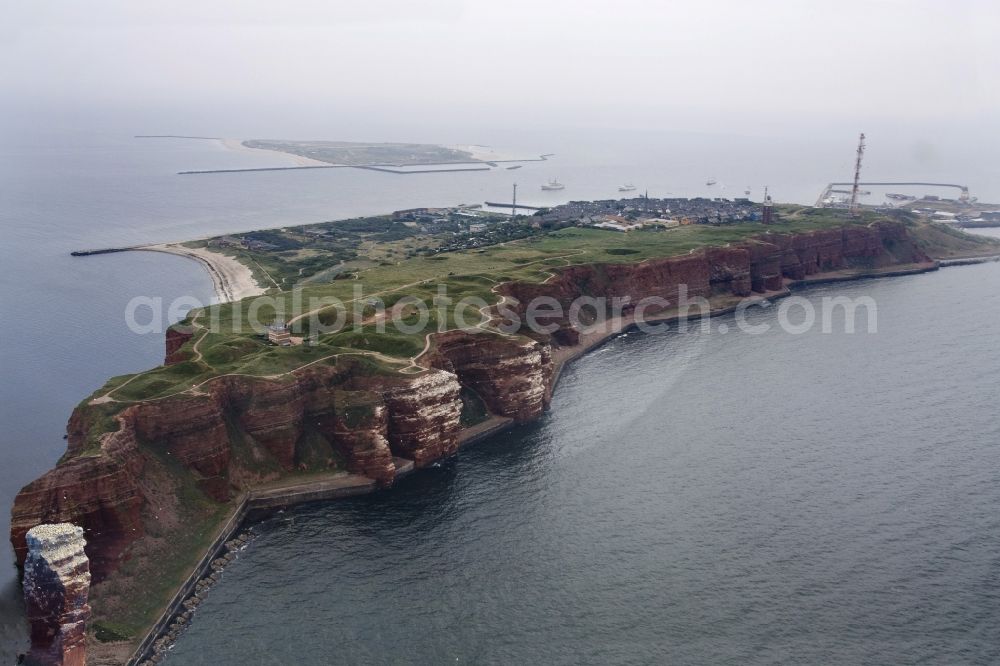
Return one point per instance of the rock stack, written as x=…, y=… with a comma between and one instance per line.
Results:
x=56, y=585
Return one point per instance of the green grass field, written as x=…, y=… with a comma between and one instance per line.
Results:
x=236, y=346
x=225, y=342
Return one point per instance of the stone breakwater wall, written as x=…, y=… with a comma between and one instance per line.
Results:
x=231, y=538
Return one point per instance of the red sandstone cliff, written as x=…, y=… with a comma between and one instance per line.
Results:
x=762, y=263
x=175, y=339
x=56, y=588
x=238, y=431
x=97, y=490
x=511, y=374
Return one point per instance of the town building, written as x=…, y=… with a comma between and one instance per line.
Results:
x=618, y=226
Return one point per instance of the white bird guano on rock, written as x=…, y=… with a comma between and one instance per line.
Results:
x=56, y=587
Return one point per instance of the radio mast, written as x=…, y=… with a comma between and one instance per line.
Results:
x=857, y=176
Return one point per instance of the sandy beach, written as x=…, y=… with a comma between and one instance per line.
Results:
x=484, y=153
x=237, y=144
x=233, y=280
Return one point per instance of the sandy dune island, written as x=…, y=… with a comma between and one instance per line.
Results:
x=299, y=160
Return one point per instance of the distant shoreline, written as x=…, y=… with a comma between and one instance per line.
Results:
x=231, y=279
x=237, y=145
x=480, y=158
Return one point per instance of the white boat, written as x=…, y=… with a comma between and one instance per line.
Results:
x=553, y=185
x=710, y=182
x=628, y=187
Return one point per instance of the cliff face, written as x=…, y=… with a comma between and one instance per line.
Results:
x=512, y=375
x=357, y=422
x=424, y=417
x=237, y=431
x=189, y=429
x=175, y=339
x=272, y=414
x=761, y=264
x=56, y=586
x=98, y=491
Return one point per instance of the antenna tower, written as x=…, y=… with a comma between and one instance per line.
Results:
x=513, y=205
x=857, y=176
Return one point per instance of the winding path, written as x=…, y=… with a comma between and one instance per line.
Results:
x=410, y=365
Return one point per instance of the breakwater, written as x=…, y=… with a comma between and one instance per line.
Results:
x=944, y=263
x=496, y=204
x=412, y=171
x=283, y=168
x=176, y=136
x=103, y=250
x=384, y=168
x=250, y=506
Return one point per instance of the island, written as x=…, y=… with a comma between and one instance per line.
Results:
x=385, y=157
x=304, y=392
x=356, y=153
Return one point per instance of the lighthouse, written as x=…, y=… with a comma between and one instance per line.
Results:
x=768, y=208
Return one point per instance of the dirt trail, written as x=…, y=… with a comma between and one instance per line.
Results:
x=410, y=365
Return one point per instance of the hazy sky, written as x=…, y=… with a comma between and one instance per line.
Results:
x=610, y=62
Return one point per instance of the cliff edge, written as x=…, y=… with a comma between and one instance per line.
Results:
x=147, y=482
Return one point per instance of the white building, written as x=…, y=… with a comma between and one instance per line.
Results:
x=618, y=226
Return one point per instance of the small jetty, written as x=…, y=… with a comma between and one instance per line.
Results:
x=176, y=136
x=103, y=250
x=402, y=169
x=413, y=171
x=510, y=205
x=300, y=167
